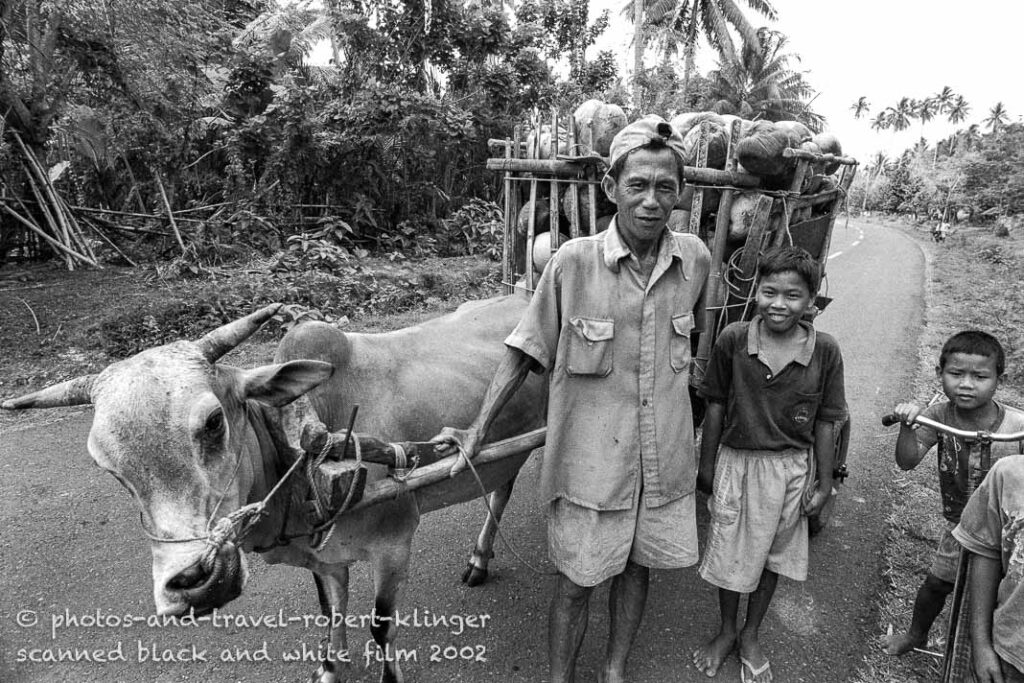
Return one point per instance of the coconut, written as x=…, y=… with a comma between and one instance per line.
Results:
x=682, y=123
x=741, y=216
x=542, y=249
x=718, y=146
x=829, y=144
x=541, y=218
x=801, y=131
x=604, y=206
x=708, y=205
x=761, y=152
x=540, y=147
x=602, y=119
x=679, y=221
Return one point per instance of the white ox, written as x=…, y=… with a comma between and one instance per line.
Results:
x=194, y=441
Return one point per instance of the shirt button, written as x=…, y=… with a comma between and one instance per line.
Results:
x=644, y=402
x=768, y=376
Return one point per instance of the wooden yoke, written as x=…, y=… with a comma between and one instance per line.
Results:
x=315, y=435
x=338, y=467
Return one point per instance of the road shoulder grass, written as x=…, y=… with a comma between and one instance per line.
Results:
x=973, y=281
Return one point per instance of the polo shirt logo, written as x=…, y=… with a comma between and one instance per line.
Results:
x=802, y=415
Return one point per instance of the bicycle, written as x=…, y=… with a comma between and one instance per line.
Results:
x=956, y=660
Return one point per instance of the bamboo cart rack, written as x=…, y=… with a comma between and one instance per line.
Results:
x=781, y=217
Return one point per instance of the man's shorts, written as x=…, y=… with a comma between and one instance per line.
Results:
x=589, y=546
x=757, y=519
x=947, y=556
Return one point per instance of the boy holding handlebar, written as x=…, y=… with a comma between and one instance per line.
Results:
x=971, y=368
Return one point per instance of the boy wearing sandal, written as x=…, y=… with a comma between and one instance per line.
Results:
x=971, y=367
x=774, y=387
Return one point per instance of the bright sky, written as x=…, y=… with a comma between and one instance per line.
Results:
x=884, y=50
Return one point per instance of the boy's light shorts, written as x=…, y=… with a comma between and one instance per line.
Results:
x=589, y=546
x=947, y=556
x=757, y=518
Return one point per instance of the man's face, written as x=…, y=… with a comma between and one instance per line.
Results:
x=646, y=192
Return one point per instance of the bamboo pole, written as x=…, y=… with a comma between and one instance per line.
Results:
x=170, y=214
x=508, y=255
x=111, y=243
x=66, y=251
x=691, y=174
x=389, y=489
x=553, y=229
x=43, y=181
x=44, y=208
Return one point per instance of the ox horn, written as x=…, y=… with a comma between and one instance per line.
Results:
x=73, y=392
x=226, y=337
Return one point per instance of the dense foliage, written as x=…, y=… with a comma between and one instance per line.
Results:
x=210, y=110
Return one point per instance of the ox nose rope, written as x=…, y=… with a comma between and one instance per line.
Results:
x=491, y=515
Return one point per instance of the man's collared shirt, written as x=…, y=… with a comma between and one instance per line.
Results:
x=769, y=411
x=617, y=352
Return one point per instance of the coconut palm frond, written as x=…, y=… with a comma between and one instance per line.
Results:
x=731, y=14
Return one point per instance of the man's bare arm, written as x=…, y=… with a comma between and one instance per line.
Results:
x=509, y=376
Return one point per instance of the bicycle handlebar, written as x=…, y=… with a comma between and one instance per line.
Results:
x=891, y=419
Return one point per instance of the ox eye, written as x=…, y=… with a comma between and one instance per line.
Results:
x=214, y=426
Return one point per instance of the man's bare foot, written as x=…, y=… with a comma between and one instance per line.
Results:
x=902, y=643
x=709, y=656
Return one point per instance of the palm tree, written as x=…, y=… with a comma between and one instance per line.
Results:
x=958, y=110
x=899, y=116
x=997, y=118
x=762, y=84
x=684, y=21
x=881, y=121
x=926, y=111
x=945, y=99
x=876, y=167
x=860, y=107
x=970, y=137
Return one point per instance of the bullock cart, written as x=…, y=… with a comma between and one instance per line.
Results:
x=548, y=200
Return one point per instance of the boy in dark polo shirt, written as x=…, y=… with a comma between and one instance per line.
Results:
x=775, y=392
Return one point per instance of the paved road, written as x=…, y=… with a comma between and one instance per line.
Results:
x=70, y=545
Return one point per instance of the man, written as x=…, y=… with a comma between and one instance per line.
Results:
x=610, y=322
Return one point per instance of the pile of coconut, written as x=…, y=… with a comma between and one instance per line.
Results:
x=759, y=152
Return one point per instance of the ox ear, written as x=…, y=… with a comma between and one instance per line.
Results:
x=279, y=385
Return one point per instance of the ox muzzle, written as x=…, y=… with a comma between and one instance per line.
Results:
x=199, y=581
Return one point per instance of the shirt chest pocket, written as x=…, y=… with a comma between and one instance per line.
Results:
x=802, y=410
x=679, y=343
x=589, y=348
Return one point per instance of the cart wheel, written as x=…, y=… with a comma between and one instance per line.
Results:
x=815, y=523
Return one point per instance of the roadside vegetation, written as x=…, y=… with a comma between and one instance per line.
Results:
x=973, y=281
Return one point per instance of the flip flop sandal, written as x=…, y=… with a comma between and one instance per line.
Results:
x=762, y=674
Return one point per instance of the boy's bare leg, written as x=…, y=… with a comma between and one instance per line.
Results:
x=931, y=597
x=757, y=607
x=566, y=625
x=709, y=656
x=626, y=608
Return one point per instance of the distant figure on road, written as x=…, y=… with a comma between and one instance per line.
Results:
x=775, y=394
x=611, y=323
x=940, y=231
x=971, y=367
x=992, y=529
